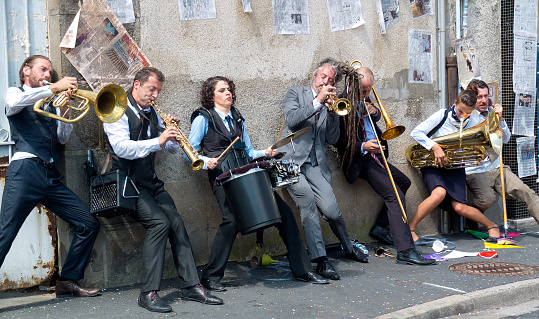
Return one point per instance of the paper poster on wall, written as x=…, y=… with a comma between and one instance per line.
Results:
x=524, y=61
x=525, y=17
x=197, y=9
x=99, y=47
x=388, y=14
x=524, y=114
x=526, y=156
x=419, y=56
x=344, y=14
x=247, y=6
x=467, y=61
x=290, y=16
x=123, y=9
x=420, y=8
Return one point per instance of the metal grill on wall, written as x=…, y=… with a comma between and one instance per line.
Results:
x=515, y=209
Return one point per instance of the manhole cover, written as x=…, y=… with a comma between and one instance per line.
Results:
x=493, y=269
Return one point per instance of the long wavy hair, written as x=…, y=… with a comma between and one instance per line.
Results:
x=208, y=89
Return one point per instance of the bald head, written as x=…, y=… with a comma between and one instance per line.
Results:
x=367, y=80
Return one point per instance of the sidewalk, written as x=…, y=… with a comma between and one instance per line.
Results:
x=380, y=289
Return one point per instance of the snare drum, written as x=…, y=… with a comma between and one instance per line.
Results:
x=250, y=196
x=283, y=174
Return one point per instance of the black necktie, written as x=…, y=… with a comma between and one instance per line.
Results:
x=144, y=129
x=229, y=120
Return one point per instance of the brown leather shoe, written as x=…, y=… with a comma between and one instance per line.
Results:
x=70, y=287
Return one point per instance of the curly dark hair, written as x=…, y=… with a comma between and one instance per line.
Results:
x=208, y=88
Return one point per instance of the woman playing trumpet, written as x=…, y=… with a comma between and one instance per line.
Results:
x=448, y=187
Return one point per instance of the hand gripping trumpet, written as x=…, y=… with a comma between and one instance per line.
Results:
x=110, y=103
x=189, y=150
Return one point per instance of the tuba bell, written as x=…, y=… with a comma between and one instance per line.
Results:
x=462, y=149
x=110, y=104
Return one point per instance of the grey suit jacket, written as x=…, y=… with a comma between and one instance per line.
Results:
x=299, y=113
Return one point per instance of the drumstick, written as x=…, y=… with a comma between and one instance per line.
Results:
x=228, y=148
x=281, y=131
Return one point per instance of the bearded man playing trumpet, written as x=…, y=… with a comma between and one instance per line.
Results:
x=33, y=177
x=447, y=187
x=361, y=158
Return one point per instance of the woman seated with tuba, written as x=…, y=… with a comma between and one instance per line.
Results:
x=448, y=186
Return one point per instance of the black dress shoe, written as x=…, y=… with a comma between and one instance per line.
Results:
x=70, y=287
x=382, y=235
x=151, y=301
x=412, y=257
x=312, y=278
x=212, y=284
x=357, y=255
x=326, y=270
x=198, y=294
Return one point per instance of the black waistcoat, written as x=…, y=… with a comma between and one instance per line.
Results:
x=35, y=134
x=218, y=138
x=140, y=169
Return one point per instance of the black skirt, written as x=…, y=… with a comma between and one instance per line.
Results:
x=452, y=180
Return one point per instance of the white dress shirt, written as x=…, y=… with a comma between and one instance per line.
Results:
x=487, y=165
x=16, y=100
x=124, y=147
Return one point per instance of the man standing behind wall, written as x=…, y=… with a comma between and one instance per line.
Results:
x=484, y=180
x=304, y=107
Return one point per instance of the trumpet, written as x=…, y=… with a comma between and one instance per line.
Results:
x=110, y=103
x=189, y=150
x=340, y=106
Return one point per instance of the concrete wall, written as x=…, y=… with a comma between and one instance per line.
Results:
x=242, y=46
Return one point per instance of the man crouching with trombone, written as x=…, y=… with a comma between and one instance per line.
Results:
x=361, y=158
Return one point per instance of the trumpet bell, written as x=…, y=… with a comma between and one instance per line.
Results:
x=341, y=107
x=110, y=103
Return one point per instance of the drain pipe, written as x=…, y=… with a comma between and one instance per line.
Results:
x=442, y=79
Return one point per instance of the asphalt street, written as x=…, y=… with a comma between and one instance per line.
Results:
x=380, y=288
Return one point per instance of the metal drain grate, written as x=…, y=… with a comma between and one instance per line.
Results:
x=493, y=269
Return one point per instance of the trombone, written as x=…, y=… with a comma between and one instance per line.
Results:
x=110, y=103
x=392, y=131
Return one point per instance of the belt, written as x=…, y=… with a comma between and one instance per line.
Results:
x=41, y=162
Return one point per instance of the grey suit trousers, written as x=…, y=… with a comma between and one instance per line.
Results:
x=311, y=192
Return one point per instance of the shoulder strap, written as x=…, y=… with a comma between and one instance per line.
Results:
x=437, y=127
x=20, y=88
x=204, y=112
